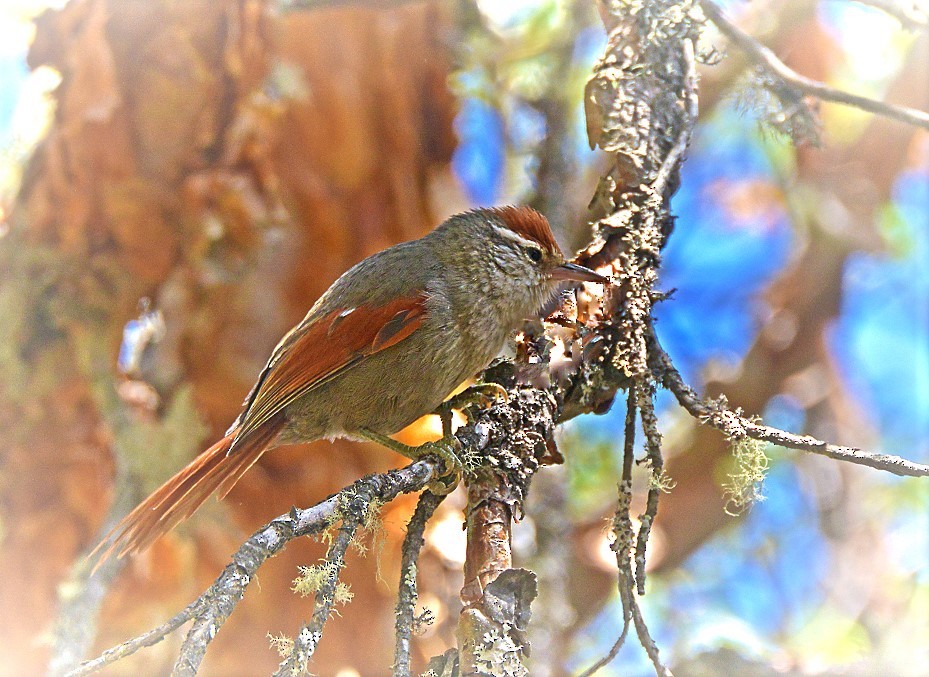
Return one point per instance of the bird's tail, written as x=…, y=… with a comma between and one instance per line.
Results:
x=178, y=498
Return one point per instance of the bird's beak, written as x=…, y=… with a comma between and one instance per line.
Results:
x=572, y=271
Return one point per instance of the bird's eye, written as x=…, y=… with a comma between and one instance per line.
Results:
x=534, y=253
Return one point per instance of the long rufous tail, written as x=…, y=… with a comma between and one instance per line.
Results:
x=179, y=497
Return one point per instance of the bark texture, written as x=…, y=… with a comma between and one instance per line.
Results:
x=227, y=162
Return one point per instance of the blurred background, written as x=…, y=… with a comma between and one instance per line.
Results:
x=180, y=180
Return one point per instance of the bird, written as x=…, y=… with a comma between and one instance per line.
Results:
x=387, y=343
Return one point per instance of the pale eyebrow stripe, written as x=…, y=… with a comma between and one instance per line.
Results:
x=515, y=237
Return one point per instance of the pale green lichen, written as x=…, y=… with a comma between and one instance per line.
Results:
x=312, y=579
x=661, y=481
x=745, y=483
x=373, y=527
x=282, y=644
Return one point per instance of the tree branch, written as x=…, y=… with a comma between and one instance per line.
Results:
x=764, y=57
x=619, y=528
x=308, y=637
x=507, y=445
x=407, y=594
x=211, y=610
x=150, y=638
x=644, y=114
x=733, y=424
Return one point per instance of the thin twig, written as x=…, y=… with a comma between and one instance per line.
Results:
x=407, y=595
x=717, y=414
x=656, y=466
x=213, y=607
x=765, y=57
x=614, y=650
x=308, y=637
x=150, y=638
x=629, y=434
x=645, y=639
x=622, y=583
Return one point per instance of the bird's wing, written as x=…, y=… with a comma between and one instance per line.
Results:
x=316, y=351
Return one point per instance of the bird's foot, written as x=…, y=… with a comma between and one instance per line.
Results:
x=446, y=450
x=482, y=394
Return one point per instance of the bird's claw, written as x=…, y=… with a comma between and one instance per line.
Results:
x=482, y=394
x=445, y=450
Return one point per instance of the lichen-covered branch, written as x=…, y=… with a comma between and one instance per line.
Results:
x=308, y=637
x=767, y=59
x=146, y=639
x=735, y=425
x=211, y=610
x=646, y=404
x=622, y=531
x=407, y=594
x=507, y=444
x=641, y=107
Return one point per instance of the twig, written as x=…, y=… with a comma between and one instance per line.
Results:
x=645, y=639
x=765, y=57
x=150, y=638
x=622, y=546
x=656, y=466
x=716, y=414
x=629, y=434
x=624, y=500
x=213, y=607
x=407, y=595
x=308, y=637
x=617, y=645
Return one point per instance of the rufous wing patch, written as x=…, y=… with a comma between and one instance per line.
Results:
x=317, y=351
